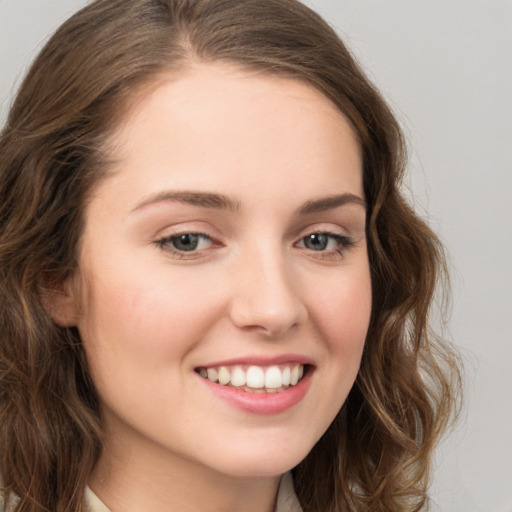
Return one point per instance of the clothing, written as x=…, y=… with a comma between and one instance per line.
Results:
x=286, y=499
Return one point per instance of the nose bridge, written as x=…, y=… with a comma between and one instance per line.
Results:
x=265, y=292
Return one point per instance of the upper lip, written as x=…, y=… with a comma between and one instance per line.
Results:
x=259, y=360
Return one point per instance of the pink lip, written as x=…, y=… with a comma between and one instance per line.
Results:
x=262, y=361
x=261, y=403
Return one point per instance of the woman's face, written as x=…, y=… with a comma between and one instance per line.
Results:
x=228, y=243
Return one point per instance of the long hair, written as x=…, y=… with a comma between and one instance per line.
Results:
x=376, y=454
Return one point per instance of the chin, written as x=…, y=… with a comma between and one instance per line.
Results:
x=261, y=461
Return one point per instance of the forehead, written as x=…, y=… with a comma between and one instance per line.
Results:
x=214, y=125
x=202, y=90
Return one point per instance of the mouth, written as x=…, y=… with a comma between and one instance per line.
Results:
x=254, y=378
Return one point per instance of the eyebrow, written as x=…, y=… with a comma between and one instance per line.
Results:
x=329, y=203
x=223, y=202
x=202, y=199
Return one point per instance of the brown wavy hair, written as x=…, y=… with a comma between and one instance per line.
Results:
x=376, y=455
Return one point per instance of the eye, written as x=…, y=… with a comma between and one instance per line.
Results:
x=317, y=241
x=326, y=242
x=184, y=243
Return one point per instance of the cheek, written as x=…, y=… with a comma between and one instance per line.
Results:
x=342, y=314
x=146, y=316
x=138, y=334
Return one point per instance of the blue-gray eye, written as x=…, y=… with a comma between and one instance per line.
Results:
x=326, y=242
x=186, y=242
x=317, y=241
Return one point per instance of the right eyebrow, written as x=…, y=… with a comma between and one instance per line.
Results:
x=201, y=199
x=330, y=202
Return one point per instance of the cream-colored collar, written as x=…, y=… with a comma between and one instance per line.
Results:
x=286, y=499
x=93, y=503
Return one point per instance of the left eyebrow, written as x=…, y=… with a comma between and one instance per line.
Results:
x=330, y=202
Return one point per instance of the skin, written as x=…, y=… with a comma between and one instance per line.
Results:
x=149, y=317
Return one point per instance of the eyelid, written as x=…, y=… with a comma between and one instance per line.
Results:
x=331, y=228
x=351, y=222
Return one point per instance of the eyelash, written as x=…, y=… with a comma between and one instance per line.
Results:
x=166, y=244
x=343, y=243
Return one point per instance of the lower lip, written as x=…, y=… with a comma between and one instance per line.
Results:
x=262, y=403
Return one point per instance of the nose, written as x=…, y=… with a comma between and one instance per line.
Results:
x=265, y=297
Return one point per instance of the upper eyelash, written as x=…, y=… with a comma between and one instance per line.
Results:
x=344, y=240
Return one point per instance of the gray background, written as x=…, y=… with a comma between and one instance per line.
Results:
x=445, y=66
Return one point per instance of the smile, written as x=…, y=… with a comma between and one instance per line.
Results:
x=255, y=379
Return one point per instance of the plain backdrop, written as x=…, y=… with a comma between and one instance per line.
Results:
x=446, y=68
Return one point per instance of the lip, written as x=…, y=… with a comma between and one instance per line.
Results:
x=261, y=403
x=262, y=361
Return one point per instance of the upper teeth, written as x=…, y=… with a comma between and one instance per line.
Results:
x=255, y=377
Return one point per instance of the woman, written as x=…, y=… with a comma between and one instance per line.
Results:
x=209, y=275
